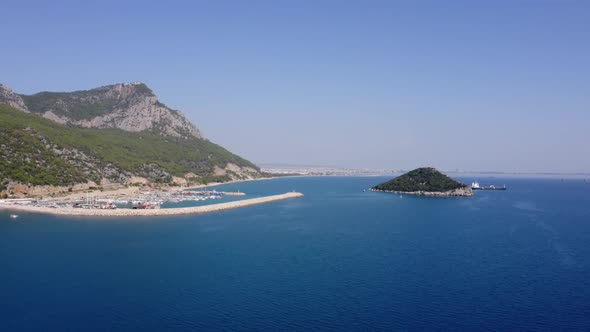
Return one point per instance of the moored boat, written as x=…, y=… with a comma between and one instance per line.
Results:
x=146, y=206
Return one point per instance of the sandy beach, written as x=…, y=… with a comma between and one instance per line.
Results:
x=149, y=212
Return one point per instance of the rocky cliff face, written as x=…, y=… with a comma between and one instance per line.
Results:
x=128, y=106
x=10, y=98
x=46, y=146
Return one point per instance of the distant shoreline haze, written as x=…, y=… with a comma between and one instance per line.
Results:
x=381, y=171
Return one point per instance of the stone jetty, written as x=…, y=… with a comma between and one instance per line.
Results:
x=149, y=212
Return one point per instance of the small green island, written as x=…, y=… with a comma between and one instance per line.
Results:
x=425, y=181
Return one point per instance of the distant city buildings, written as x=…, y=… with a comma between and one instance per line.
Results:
x=327, y=171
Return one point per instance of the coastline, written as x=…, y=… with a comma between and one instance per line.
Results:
x=461, y=192
x=147, y=212
x=129, y=191
x=215, y=184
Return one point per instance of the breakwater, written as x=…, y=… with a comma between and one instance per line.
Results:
x=148, y=212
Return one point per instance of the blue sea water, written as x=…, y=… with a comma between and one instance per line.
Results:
x=337, y=259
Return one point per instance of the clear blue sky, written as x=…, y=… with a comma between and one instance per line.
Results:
x=476, y=85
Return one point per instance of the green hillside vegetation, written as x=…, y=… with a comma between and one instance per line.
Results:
x=28, y=153
x=421, y=179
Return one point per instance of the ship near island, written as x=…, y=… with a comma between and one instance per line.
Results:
x=425, y=181
x=475, y=186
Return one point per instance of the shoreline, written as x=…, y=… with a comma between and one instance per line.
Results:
x=461, y=192
x=148, y=212
x=216, y=184
x=126, y=191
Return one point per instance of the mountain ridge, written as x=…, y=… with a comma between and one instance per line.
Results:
x=60, y=141
x=128, y=106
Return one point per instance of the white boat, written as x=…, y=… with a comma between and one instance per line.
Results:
x=14, y=216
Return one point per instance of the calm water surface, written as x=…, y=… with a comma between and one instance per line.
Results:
x=337, y=259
